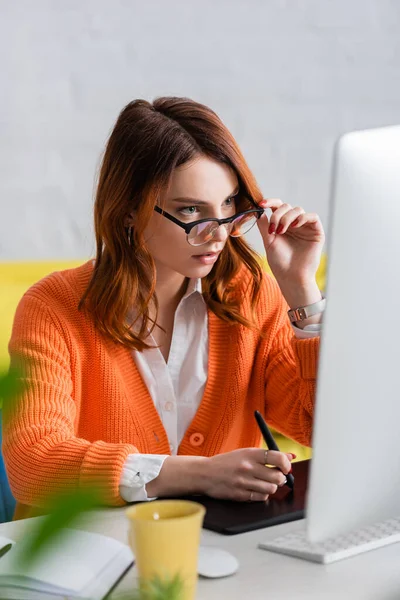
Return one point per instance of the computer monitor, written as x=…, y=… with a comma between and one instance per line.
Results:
x=355, y=471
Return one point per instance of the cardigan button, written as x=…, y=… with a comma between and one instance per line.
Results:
x=196, y=439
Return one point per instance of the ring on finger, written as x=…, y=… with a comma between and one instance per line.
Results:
x=266, y=457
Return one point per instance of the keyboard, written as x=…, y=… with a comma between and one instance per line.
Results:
x=343, y=546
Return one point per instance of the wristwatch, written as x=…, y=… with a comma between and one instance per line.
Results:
x=303, y=312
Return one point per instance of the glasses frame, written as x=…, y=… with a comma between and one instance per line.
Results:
x=189, y=226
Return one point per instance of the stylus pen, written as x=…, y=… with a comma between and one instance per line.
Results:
x=271, y=443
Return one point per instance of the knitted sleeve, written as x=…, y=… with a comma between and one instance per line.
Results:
x=42, y=454
x=290, y=377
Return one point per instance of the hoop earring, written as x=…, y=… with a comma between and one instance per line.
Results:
x=129, y=236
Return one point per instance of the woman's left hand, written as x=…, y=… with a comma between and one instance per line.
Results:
x=293, y=241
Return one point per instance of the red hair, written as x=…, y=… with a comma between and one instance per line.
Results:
x=147, y=143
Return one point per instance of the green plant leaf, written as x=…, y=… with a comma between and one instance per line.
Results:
x=157, y=589
x=9, y=385
x=65, y=511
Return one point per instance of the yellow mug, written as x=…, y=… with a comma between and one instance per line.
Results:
x=165, y=537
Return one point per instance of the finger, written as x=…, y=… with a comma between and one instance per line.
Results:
x=288, y=218
x=290, y=455
x=263, y=225
x=278, y=459
x=250, y=495
x=269, y=205
x=272, y=203
x=277, y=216
x=259, y=497
x=304, y=219
x=260, y=486
x=272, y=475
x=275, y=458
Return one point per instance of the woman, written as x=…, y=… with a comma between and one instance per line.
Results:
x=143, y=368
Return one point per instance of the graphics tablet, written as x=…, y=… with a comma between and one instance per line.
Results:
x=229, y=518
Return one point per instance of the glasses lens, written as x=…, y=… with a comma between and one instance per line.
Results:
x=243, y=224
x=202, y=233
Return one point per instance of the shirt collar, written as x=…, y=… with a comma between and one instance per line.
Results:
x=194, y=285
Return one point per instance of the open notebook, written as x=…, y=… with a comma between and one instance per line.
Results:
x=79, y=565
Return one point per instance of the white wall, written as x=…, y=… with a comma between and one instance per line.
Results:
x=287, y=77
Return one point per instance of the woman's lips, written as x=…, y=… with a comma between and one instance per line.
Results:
x=207, y=259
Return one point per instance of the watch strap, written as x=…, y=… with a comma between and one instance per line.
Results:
x=304, y=312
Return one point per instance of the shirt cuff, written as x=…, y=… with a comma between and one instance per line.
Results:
x=138, y=470
x=309, y=331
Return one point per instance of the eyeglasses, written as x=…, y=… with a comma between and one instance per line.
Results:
x=202, y=231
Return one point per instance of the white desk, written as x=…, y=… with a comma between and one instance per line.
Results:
x=371, y=576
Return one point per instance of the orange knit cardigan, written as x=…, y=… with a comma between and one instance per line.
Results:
x=85, y=406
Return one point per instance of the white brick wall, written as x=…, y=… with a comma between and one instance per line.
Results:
x=287, y=77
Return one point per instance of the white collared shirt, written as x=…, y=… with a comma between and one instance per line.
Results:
x=176, y=386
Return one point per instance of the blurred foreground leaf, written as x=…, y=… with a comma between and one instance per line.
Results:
x=156, y=589
x=161, y=589
x=66, y=510
x=9, y=385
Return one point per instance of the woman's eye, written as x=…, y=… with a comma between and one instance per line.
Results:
x=230, y=202
x=188, y=211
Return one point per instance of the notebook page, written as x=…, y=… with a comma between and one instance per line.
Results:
x=110, y=575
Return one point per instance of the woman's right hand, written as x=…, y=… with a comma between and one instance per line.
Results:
x=242, y=475
x=238, y=475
